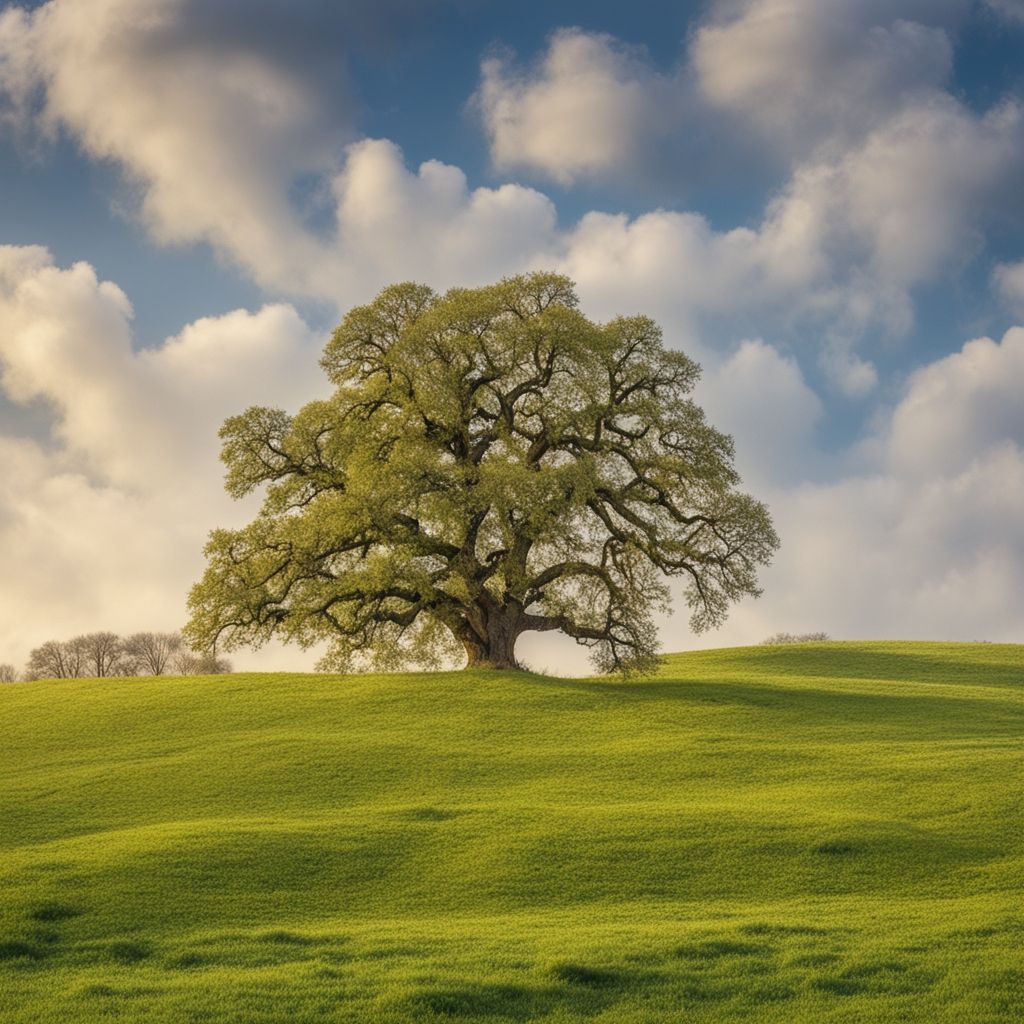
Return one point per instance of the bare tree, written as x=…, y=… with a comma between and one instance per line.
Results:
x=76, y=652
x=56, y=660
x=8, y=674
x=102, y=653
x=106, y=654
x=153, y=652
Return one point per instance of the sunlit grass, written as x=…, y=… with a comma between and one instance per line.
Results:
x=831, y=832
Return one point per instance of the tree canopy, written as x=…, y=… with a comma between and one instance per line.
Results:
x=490, y=462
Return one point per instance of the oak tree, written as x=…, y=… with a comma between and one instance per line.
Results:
x=490, y=462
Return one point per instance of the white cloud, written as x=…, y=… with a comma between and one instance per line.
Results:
x=1008, y=279
x=212, y=136
x=901, y=205
x=921, y=187
x=1011, y=10
x=134, y=417
x=103, y=525
x=213, y=127
x=394, y=224
x=840, y=247
x=959, y=406
x=801, y=71
x=927, y=540
x=761, y=398
x=213, y=111
x=849, y=374
x=19, y=82
x=590, y=107
x=878, y=557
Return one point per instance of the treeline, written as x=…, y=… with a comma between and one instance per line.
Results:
x=107, y=654
x=795, y=638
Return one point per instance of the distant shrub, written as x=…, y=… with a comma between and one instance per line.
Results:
x=187, y=663
x=8, y=674
x=794, y=638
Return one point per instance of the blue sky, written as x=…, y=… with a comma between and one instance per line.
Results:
x=819, y=199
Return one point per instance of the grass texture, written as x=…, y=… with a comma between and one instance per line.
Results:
x=818, y=833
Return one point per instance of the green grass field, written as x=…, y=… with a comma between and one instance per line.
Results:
x=829, y=832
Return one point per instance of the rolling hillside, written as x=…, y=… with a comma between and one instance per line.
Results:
x=829, y=832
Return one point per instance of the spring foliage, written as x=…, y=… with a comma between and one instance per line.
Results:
x=490, y=462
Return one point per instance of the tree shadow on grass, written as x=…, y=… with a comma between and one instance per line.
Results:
x=584, y=988
x=927, y=714
x=858, y=663
x=53, y=912
x=476, y=1000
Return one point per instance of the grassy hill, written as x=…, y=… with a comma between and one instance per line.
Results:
x=831, y=832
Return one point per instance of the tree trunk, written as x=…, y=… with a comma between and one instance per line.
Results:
x=492, y=644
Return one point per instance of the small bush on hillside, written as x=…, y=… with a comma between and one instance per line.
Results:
x=186, y=663
x=794, y=638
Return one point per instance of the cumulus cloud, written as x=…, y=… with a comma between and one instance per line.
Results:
x=591, y=106
x=213, y=111
x=393, y=223
x=926, y=540
x=104, y=520
x=212, y=136
x=893, y=181
x=801, y=71
x=909, y=202
x=922, y=185
x=881, y=556
x=759, y=396
x=214, y=116
x=956, y=407
x=841, y=245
